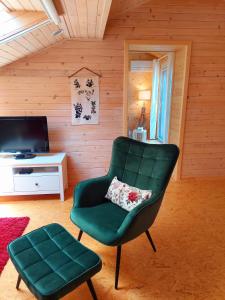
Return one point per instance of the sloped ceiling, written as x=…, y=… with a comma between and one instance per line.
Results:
x=18, y=21
x=24, y=29
x=32, y=30
x=33, y=5
x=28, y=43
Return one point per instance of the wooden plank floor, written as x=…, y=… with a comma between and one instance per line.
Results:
x=189, y=234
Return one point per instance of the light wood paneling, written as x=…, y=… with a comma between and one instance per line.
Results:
x=41, y=81
x=24, y=32
x=201, y=23
x=28, y=43
x=34, y=5
x=85, y=19
x=79, y=19
x=43, y=89
x=120, y=7
x=175, y=130
x=14, y=22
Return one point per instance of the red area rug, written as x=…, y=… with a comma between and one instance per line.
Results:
x=10, y=229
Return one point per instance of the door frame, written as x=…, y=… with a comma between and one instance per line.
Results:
x=161, y=46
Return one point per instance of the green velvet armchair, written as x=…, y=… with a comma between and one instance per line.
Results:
x=145, y=166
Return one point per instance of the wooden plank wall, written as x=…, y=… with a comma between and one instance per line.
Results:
x=177, y=99
x=138, y=81
x=177, y=96
x=203, y=23
x=38, y=85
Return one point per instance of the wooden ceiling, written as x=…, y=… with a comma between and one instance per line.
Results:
x=28, y=43
x=24, y=31
x=18, y=21
x=33, y=5
x=30, y=30
x=80, y=18
x=85, y=18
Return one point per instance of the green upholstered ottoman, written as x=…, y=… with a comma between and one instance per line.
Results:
x=52, y=262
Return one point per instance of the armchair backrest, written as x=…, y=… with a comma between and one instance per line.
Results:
x=145, y=166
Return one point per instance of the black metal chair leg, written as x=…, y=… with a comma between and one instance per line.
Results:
x=92, y=290
x=117, y=266
x=80, y=235
x=18, y=282
x=150, y=240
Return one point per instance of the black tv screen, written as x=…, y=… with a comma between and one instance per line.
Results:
x=24, y=134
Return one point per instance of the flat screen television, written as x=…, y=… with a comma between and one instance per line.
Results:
x=24, y=135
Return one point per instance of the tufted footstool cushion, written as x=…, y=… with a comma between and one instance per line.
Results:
x=52, y=262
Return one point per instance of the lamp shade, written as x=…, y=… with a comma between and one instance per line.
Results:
x=144, y=95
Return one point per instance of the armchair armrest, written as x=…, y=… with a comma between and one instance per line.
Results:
x=140, y=218
x=91, y=192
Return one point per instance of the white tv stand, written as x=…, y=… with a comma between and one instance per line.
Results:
x=49, y=175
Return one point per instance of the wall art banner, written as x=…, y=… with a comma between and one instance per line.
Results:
x=85, y=100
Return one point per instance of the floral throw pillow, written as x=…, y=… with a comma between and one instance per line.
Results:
x=126, y=196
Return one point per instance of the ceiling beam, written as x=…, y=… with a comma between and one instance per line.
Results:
x=104, y=14
x=85, y=19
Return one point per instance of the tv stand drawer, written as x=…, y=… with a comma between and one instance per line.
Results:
x=43, y=174
x=36, y=183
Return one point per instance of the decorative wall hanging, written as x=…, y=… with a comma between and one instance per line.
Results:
x=85, y=97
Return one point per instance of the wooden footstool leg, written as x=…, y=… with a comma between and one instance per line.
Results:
x=18, y=282
x=92, y=290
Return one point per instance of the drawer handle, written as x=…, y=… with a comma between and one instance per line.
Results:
x=36, y=184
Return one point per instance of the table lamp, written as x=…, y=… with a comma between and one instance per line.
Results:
x=143, y=96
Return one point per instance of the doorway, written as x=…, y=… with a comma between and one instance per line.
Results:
x=155, y=92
